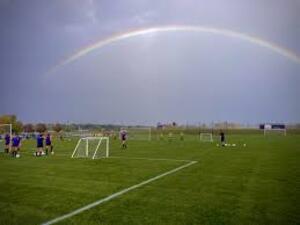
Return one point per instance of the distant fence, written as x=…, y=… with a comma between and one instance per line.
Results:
x=229, y=131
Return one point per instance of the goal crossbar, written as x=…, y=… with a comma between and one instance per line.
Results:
x=206, y=137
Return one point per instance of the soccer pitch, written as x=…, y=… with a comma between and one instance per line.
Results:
x=192, y=183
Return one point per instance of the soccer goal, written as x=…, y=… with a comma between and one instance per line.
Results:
x=275, y=128
x=275, y=131
x=206, y=137
x=139, y=133
x=5, y=129
x=92, y=147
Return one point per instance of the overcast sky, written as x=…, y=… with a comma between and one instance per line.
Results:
x=171, y=76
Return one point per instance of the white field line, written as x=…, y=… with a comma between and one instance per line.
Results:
x=152, y=159
x=110, y=197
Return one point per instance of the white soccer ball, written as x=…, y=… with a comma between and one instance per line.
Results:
x=233, y=145
x=52, y=153
x=17, y=156
x=43, y=153
x=244, y=145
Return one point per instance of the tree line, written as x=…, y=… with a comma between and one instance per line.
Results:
x=19, y=127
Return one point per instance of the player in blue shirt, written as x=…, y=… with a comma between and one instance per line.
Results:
x=39, y=145
x=7, y=143
x=123, y=137
x=16, y=145
x=49, y=144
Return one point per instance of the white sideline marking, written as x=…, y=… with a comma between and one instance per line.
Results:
x=110, y=197
x=152, y=159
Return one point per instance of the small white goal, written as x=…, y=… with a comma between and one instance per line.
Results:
x=206, y=137
x=92, y=147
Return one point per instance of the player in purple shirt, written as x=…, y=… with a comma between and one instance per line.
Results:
x=7, y=143
x=123, y=137
x=49, y=144
x=16, y=145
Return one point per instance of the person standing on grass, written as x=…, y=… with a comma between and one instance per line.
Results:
x=16, y=145
x=123, y=137
x=49, y=145
x=222, y=138
x=7, y=143
x=39, y=145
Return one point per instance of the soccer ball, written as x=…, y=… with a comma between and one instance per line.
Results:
x=17, y=156
x=233, y=145
x=52, y=153
x=244, y=145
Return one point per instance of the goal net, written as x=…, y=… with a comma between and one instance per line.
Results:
x=275, y=132
x=275, y=128
x=92, y=147
x=139, y=133
x=5, y=129
x=206, y=137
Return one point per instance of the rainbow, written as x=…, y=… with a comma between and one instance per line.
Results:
x=180, y=28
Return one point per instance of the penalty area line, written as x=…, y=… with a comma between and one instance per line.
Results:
x=110, y=197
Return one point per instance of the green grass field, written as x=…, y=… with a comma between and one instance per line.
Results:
x=256, y=184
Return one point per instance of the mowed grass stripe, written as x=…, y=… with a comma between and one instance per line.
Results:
x=117, y=194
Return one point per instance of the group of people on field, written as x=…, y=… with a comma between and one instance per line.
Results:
x=44, y=143
x=40, y=145
x=13, y=144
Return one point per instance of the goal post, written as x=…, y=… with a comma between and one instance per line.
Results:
x=92, y=147
x=206, y=137
x=5, y=129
